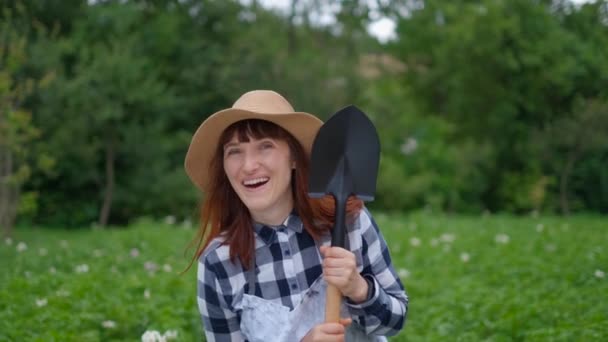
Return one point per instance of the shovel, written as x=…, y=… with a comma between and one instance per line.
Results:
x=344, y=162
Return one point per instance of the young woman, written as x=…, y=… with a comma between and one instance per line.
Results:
x=264, y=255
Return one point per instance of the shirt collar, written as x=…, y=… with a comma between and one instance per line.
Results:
x=268, y=233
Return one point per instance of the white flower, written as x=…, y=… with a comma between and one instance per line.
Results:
x=465, y=257
x=170, y=219
x=52, y=270
x=28, y=274
x=62, y=293
x=113, y=269
x=167, y=268
x=447, y=238
x=502, y=238
x=434, y=242
x=409, y=146
x=415, y=241
x=97, y=253
x=540, y=227
x=150, y=266
x=84, y=268
x=170, y=334
x=599, y=274
x=108, y=324
x=152, y=336
x=41, y=302
x=550, y=247
x=147, y=294
x=42, y=251
x=21, y=246
x=403, y=273
x=8, y=241
x=187, y=224
x=63, y=244
x=134, y=252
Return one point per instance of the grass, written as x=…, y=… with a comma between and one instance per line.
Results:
x=494, y=278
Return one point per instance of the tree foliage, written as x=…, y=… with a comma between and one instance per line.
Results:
x=498, y=71
x=477, y=102
x=18, y=133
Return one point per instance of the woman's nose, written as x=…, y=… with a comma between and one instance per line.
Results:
x=251, y=162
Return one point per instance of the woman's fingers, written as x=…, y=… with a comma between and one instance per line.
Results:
x=346, y=321
x=338, y=257
x=334, y=272
x=339, y=263
x=325, y=332
x=340, y=269
x=334, y=252
x=332, y=328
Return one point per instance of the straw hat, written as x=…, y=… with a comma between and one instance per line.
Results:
x=258, y=104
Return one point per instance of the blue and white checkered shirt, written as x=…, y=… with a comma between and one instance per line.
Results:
x=288, y=261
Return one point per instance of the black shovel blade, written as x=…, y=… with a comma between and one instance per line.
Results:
x=344, y=162
x=345, y=156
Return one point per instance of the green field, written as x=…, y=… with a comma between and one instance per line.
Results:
x=494, y=278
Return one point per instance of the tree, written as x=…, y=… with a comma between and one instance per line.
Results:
x=497, y=70
x=17, y=132
x=566, y=141
x=119, y=97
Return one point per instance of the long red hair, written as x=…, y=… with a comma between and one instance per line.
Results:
x=223, y=212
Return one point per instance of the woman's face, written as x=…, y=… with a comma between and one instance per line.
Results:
x=260, y=173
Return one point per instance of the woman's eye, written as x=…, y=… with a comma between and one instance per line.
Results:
x=233, y=151
x=267, y=145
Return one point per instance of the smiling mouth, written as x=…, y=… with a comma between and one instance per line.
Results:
x=256, y=182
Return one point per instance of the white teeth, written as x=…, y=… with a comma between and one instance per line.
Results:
x=256, y=181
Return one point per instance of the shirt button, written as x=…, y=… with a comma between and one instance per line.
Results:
x=294, y=286
x=287, y=252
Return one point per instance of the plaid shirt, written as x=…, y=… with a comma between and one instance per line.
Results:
x=288, y=261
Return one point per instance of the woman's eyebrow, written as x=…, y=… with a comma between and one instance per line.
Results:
x=230, y=144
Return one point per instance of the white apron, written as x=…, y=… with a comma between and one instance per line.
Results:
x=266, y=321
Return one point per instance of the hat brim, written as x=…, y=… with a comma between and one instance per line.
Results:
x=303, y=126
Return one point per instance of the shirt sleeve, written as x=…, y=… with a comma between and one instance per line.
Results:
x=385, y=312
x=220, y=322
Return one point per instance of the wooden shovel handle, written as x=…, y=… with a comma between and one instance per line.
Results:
x=332, y=304
x=338, y=235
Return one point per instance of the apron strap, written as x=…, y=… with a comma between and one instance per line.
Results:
x=251, y=276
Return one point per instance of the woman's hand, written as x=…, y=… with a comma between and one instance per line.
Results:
x=340, y=270
x=328, y=332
